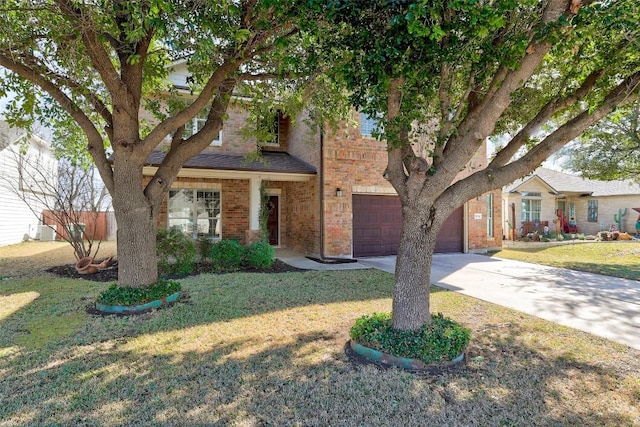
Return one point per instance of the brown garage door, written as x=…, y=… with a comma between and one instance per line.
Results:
x=377, y=224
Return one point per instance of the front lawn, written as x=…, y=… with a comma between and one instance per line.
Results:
x=618, y=259
x=268, y=349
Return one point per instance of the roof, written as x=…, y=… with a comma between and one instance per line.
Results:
x=561, y=182
x=279, y=162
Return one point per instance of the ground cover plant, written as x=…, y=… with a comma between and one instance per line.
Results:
x=246, y=349
x=618, y=259
x=115, y=295
x=442, y=340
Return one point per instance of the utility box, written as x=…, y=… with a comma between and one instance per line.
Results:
x=47, y=233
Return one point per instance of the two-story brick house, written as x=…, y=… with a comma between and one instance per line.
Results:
x=327, y=195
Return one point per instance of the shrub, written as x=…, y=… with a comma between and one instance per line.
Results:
x=260, y=255
x=566, y=236
x=204, y=248
x=581, y=236
x=227, y=255
x=176, y=252
x=440, y=341
x=136, y=296
x=546, y=239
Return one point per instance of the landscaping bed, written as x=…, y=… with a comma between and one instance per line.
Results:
x=111, y=274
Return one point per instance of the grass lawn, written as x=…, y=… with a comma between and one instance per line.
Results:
x=268, y=349
x=618, y=259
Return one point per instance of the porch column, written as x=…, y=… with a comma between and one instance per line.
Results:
x=254, y=210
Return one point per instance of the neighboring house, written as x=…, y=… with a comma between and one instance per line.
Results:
x=18, y=195
x=326, y=193
x=543, y=196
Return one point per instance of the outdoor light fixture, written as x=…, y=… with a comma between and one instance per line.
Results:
x=339, y=192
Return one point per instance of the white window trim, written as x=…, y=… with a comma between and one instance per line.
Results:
x=530, y=211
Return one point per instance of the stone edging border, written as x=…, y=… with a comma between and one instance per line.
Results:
x=377, y=356
x=135, y=309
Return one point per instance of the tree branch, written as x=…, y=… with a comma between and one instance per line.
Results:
x=479, y=124
x=96, y=51
x=543, y=116
x=96, y=143
x=489, y=178
x=183, y=150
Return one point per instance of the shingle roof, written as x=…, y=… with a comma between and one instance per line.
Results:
x=278, y=162
x=565, y=183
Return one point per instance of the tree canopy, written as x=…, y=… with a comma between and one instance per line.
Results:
x=610, y=149
x=95, y=69
x=443, y=76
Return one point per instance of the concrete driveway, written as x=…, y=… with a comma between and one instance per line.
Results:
x=605, y=306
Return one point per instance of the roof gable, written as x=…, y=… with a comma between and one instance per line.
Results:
x=560, y=182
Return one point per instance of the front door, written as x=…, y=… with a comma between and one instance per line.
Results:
x=273, y=223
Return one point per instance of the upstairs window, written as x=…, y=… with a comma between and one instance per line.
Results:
x=198, y=122
x=369, y=125
x=269, y=130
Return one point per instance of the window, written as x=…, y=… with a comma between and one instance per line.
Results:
x=490, y=215
x=531, y=209
x=592, y=211
x=368, y=125
x=195, y=213
x=269, y=130
x=198, y=122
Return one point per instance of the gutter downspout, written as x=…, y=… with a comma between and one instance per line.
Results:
x=322, y=257
x=321, y=192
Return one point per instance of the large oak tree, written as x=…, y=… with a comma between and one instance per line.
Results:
x=537, y=72
x=96, y=66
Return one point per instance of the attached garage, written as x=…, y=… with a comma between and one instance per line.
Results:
x=377, y=225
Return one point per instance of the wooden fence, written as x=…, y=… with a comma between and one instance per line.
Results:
x=95, y=223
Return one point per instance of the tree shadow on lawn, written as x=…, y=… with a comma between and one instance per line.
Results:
x=305, y=379
x=207, y=298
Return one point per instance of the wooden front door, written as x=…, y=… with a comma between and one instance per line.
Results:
x=273, y=223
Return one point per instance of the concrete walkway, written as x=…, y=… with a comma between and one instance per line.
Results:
x=602, y=305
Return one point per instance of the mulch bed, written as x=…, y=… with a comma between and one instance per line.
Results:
x=111, y=274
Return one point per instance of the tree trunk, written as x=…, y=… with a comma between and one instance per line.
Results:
x=136, y=217
x=413, y=269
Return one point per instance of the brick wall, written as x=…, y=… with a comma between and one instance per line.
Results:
x=303, y=216
x=303, y=142
x=235, y=208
